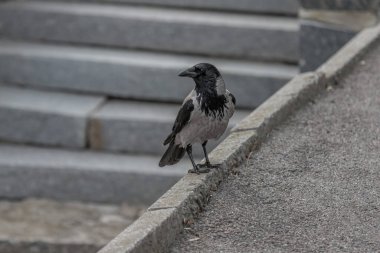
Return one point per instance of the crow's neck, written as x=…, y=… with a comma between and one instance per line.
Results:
x=210, y=97
x=210, y=86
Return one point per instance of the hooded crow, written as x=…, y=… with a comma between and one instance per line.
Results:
x=204, y=115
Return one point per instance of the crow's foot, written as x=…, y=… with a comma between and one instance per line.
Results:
x=209, y=165
x=199, y=171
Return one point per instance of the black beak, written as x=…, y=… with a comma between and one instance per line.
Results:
x=189, y=73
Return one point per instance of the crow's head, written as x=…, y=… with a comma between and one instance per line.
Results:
x=202, y=71
x=207, y=79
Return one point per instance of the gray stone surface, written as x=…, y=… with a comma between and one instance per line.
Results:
x=319, y=42
x=38, y=225
x=327, y=25
x=189, y=196
x=282, y=7
x=300, y=90
x=132, y=74
x=342, y=62
x=349, y=20
x=207, y=33
x=156, y=229
x=139, y=127
x=12, y=247
x=341, y=4
x=313, y=185
x=46, y=118
x=151, y=233
x=83, y=175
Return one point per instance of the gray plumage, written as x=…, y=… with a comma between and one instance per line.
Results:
x=204, y=115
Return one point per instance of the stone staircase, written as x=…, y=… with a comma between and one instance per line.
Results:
x=89, y=89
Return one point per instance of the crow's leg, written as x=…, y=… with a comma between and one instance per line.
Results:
x=195, y=169
x=207, y=164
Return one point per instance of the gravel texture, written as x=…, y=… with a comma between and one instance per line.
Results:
x=314, y=184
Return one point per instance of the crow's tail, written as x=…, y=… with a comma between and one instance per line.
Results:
x=173, y=155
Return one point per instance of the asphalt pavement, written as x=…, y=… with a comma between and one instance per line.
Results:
x=313, y=186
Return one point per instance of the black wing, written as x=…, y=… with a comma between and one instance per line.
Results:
x=183, y=117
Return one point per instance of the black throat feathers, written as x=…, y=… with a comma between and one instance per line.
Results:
x=210, y=102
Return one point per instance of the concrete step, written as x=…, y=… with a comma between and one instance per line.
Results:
x=278, y=7
x=132, y=74
x=45, y=118
x=152, y=28
x=27, y=171
x=139, y=127
x=39, y=225
x=73, y=121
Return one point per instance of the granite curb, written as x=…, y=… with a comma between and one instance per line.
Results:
x=155, y=230
x=340, y=63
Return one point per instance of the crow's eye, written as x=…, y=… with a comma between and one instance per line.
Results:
x=198, y=70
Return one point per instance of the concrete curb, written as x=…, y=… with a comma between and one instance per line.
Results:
x=158, y=227
x=342, y=61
